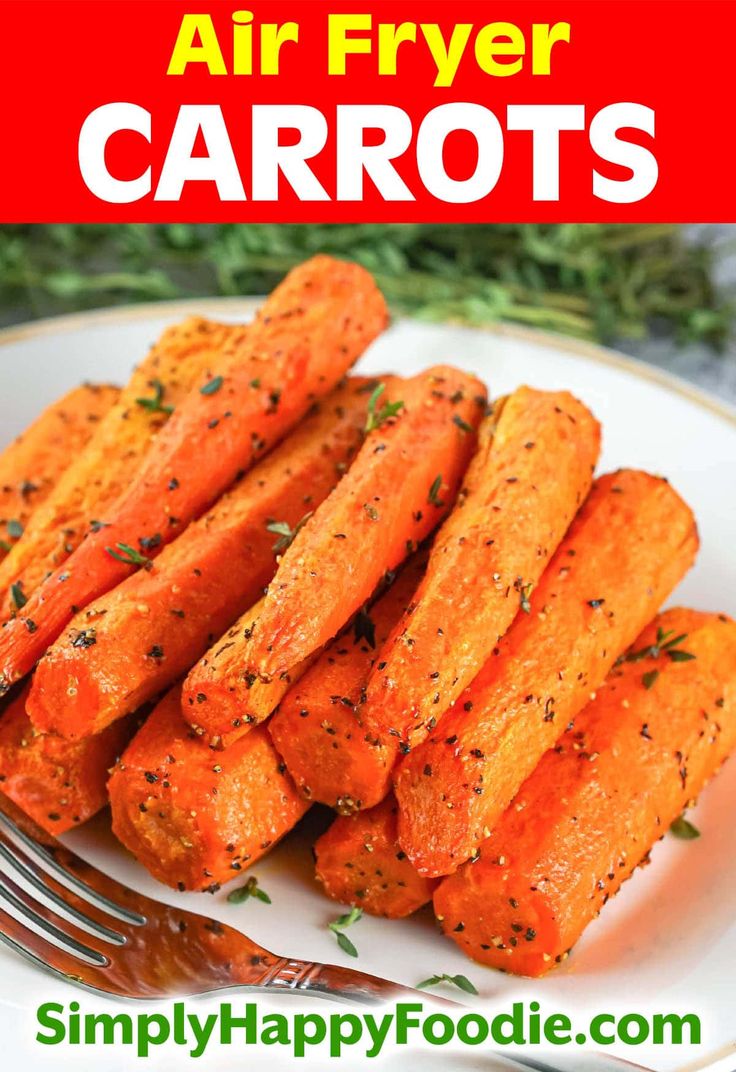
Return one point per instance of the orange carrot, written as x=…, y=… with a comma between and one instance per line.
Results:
x=58, y=783
x=632, y=541
x=399, y=487
x=306, y=336
x=32, y=464
x=327, y=752
x=532, y=470
x=359, y=862
x=655, y=733
x=197, y=818
x=134, y=642
x=97, y=475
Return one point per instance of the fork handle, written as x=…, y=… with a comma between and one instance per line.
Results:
x=333, y=981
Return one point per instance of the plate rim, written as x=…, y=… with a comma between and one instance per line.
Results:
x=568, y=344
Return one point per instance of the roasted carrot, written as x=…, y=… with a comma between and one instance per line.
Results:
x=306, y=336
x=659, y=728
x=97, y=475
x=533, y=468
x=330, y=756
x=359, y=862
x=59, y=783
x=400, y=486
x=197, y=818
x=31, y=465
x=632, y=541
x=134, y=642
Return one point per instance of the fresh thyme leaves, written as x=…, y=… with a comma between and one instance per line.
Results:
x=364, y=628
x=462, y=425
x=434, y=492
x=525, y=592
x=15, y=529
x=286, y=534
x=155, y=404
x=17, y=595
x=5, y=546
x=97, y=526
x=123, y=552
x=337, y=926
x=460, y=981
x=250, y=889
x=649, y=678
x=682, y=828
x=665, y=644
x=377, y=417
x=212, y=386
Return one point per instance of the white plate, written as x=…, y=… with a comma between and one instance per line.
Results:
x=668, y=942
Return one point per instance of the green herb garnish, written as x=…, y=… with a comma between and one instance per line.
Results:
x=250, y=889
x=525, y=592
x=5, y=546
x=682, y=828
x=155, y=404
x=378, y=417
x=462, y=425
x=337, y=926
x=286, y=534
x=649, y=678
x=460, y=981
x=434, y=491
x=17, y=595
x=212, y=386
x=123, y=552
x=665, y=644
x=15, y=529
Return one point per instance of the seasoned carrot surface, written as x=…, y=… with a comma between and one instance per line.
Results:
x=97, y=476
x=398, y=489
x=533, y=468
x=31, y=465
x=359, y=862
x=306, y=336
x=659, y=728
x=632, y=541
x=59, y=783
x=128, y=646
x=197, y=818
x=330, y=756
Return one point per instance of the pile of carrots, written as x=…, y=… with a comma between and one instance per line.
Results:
x=251, y=580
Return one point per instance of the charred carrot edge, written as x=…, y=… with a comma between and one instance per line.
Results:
x=632, y=541
x=111, y=458
x=398, y=489
x=359, y=862
x=330, y=756
x=305, y=338
x=32, y=464
x=59, y=784
x=588, y=816
x=131, y=644
x=197, y=818
x=533, y=468
x=216, y=686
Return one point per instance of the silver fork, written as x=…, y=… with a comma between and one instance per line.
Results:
x=105, y=937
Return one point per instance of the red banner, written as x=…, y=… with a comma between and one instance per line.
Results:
x=126, y=110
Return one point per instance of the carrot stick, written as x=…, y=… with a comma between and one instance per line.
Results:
x=632, y=541
x=532, y=470
x=59, y=783
x=98, y=474
x=359, y=862
x=655, y=733
x=197, y=818
x=134, y=642
x=331, y=758
x=307, y=334
x=32, y=464
x=398, y=488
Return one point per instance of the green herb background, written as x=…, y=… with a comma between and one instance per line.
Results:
x=611, y=283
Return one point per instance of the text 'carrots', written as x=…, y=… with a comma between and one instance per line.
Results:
x=632, y=541
x=306, y=336
x=197, y=818
x=658, y=729
x=532, y=470
x=131, y=644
